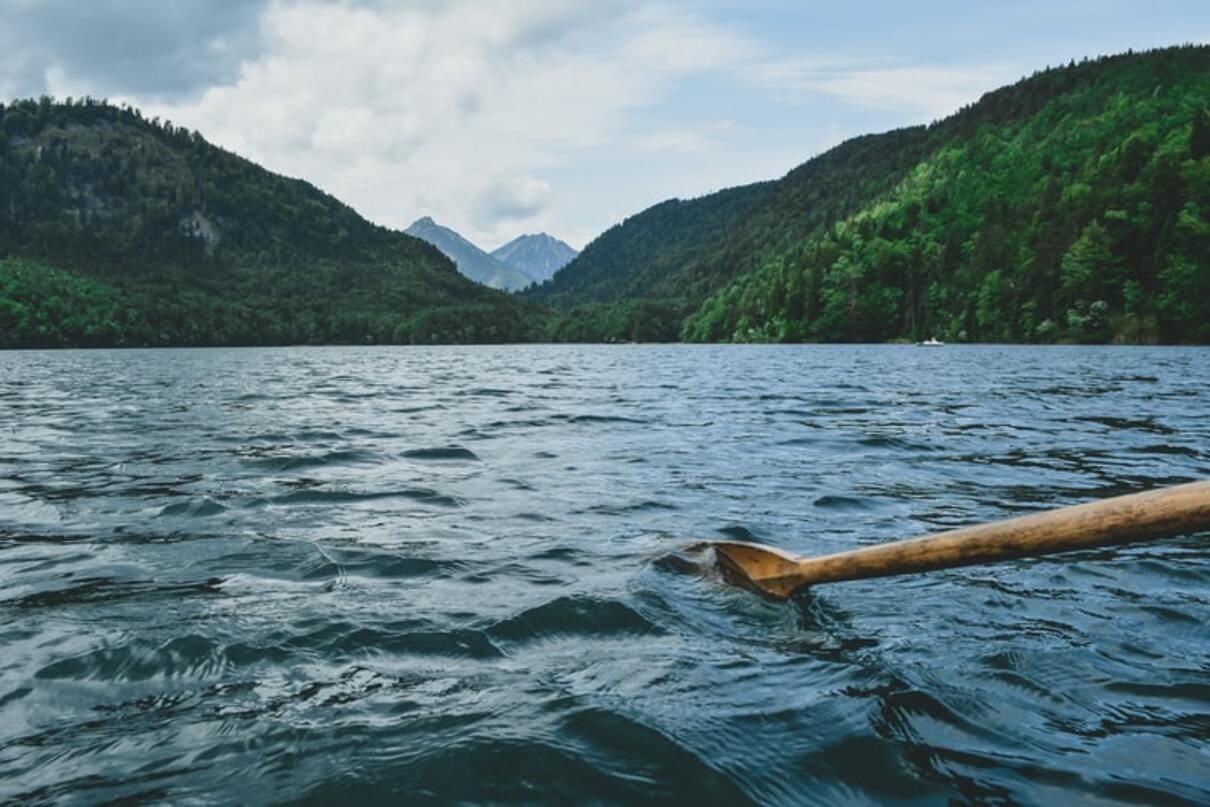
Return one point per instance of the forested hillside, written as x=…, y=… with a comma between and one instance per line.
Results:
x=1072, y=206
x=117, y=230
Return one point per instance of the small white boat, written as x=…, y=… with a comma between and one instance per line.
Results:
x=931, y=342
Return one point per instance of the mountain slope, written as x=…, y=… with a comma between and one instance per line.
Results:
x=1074, y=206
x=682, y=250
x=538, y=256
x=962, y=228
x=194, y=245
x=653, y=254
x=471, y=261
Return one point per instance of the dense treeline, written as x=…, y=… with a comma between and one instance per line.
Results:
x=685, y=250
x=45, y=307
x=651, y=254
x=198, y=246
x=624, y=321
x=1072, y=206
x=41, y=306
x=1086, y=221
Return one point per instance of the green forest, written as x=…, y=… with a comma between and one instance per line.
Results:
x=119, y=231
x=1073, y=206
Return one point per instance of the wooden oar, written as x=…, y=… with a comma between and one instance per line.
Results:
x=1120, y=520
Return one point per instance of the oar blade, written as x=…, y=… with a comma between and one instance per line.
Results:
x=763, y=569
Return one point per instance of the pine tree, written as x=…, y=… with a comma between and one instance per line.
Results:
x=1199, y=141
x=1089, y=265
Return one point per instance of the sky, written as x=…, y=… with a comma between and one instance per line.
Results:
x=503, y=117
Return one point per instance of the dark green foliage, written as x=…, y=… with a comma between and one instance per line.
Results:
x=45, y=307
x=203, y=247
x=623, y=321
x=1184, y=281
x=1072, y=206
x=655, y=253
x=1199, y=138
x=1083, y=220
x=684, y=250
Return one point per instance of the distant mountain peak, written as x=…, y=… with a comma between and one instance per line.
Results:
x=471, y=261
x=539, y=255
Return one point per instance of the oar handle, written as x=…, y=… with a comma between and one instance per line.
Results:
x=1120, y=520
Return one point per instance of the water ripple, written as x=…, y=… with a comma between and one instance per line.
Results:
x=434, y=575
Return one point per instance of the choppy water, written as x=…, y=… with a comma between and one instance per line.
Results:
x=444, y=574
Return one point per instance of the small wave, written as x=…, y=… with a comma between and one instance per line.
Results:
x=313, y=435
x=378, y=565
x=456, y=643
x=102, y=589
x=1159, y=448
x=599, y=419
x=184, y=657
x=1180, y=691
x=692, y=560
x=407, y=638
x=795, y=413
x=517, y=484
x=625, y=509
x=738, y=532
x=357, y=431
x=672, y=771
x=301, y=461
x=528, y=423
x=14, y=695
x=568, y=554
x=194, y=508
x=444, y=453
x=317, y=496
x=484, y=392
x=537, y=518
x=512, y=770
x=844, y=503
x=574, y=616
x=1140, y=424
x=897, y=443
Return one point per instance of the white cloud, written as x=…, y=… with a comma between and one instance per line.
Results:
x=462, y=111
x=700, y=139
x=514, y=199
x=925, y=91
x=156, y=49
x=661, y=38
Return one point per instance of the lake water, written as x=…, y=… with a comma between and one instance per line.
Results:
x=440, y=574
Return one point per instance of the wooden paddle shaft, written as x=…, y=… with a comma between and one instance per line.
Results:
x=1120, y=520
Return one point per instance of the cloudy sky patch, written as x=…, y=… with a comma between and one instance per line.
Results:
x=148, y=49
